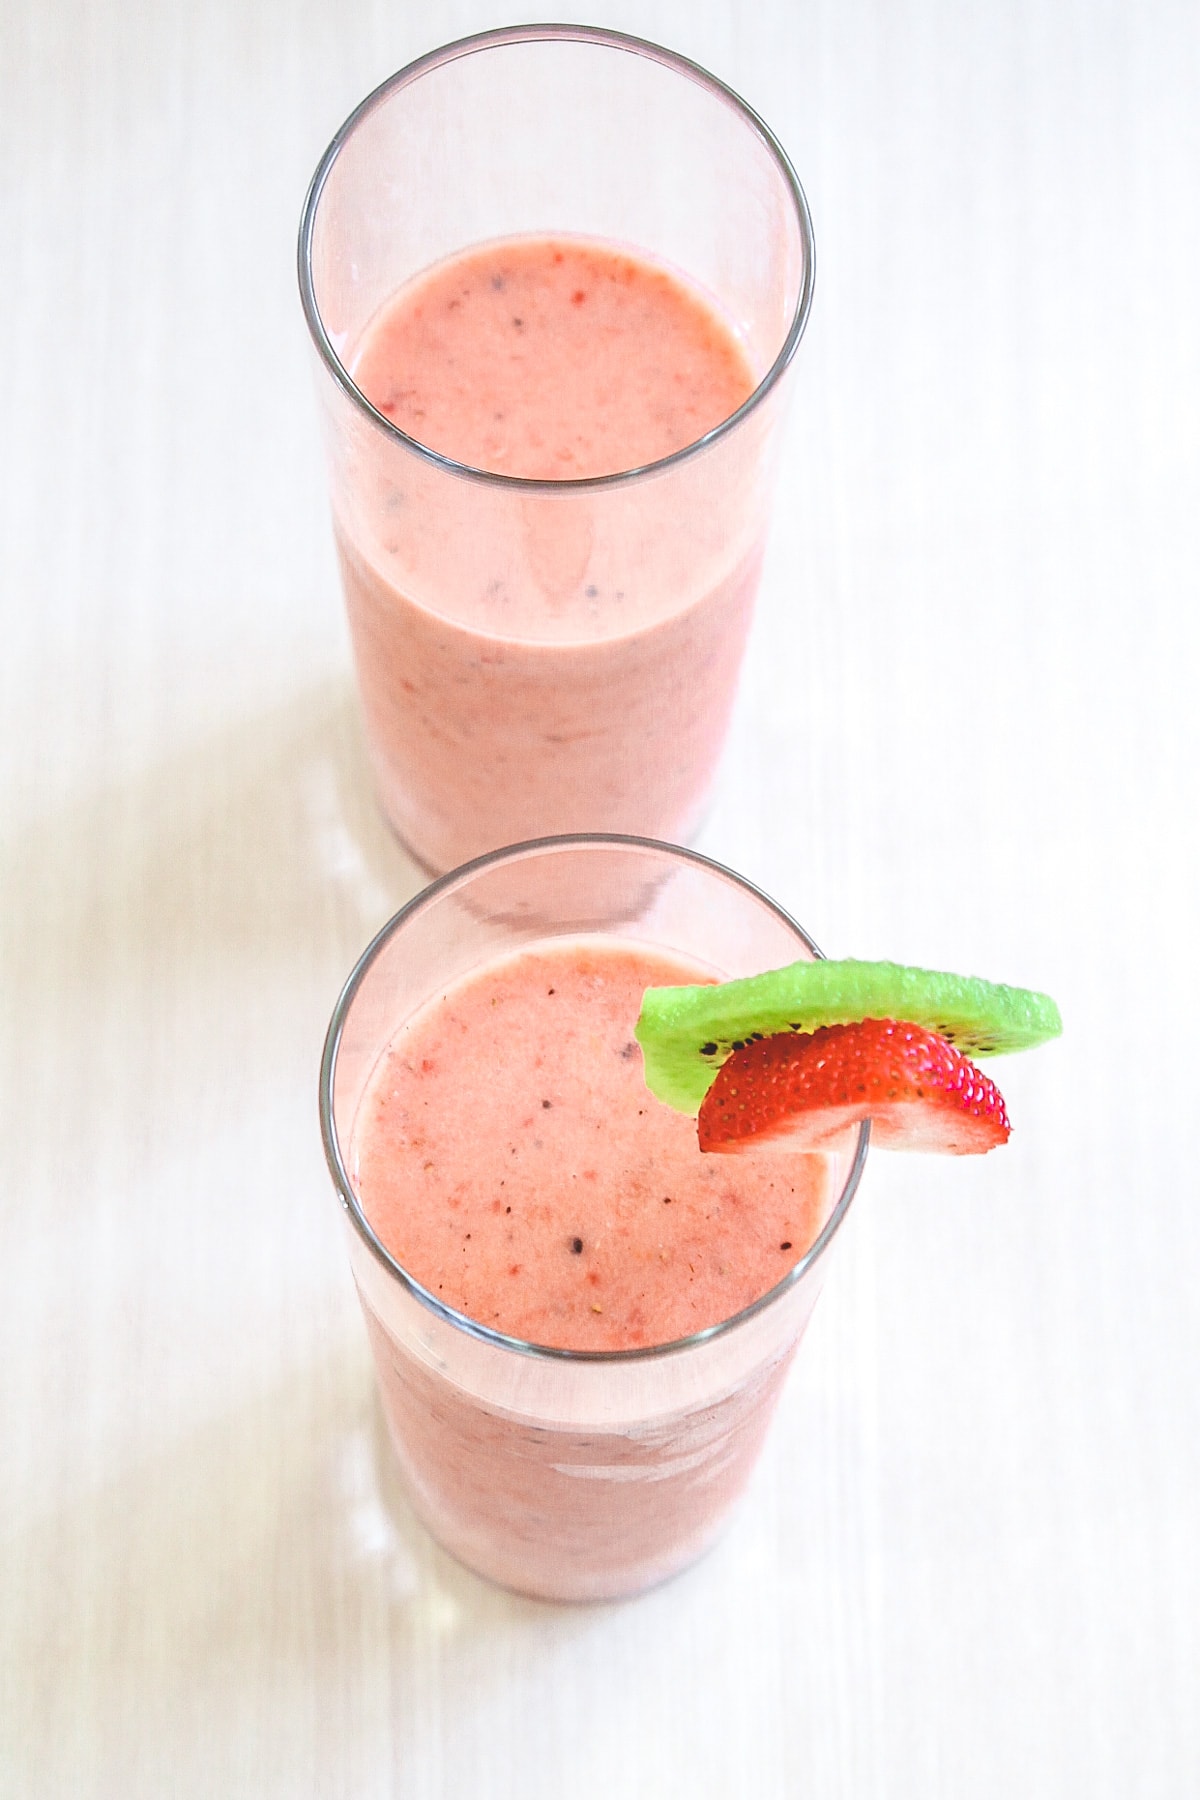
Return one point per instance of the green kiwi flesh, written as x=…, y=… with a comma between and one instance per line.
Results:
x=686, y=1033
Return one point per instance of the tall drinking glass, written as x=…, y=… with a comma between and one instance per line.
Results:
x=550, y=655
x=575, y=1475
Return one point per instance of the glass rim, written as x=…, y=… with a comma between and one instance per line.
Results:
x=543, y=33
x=352, y=1206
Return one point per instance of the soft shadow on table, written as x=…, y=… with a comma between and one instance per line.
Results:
x=258, y=840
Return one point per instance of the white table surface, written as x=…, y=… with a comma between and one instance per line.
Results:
x=967, y=737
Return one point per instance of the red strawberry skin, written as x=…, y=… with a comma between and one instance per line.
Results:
x=801, y=1090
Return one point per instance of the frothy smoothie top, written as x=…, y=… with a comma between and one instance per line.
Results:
x=552, y=359
x=510, y=1157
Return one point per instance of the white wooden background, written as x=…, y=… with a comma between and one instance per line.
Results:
x=967, y=737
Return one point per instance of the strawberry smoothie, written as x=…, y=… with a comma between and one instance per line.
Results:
x=553, y=359
x=545, y=658
x=576, y=1210
x=509, y=1156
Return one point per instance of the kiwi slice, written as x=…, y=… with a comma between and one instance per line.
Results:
x=686, y=1033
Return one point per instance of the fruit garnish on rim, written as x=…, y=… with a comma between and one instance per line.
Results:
x=792, y=1057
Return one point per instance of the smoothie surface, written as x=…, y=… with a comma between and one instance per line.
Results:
x=552, y=358
x=510, y=1157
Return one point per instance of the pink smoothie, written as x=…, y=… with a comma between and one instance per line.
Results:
x=536, y=660
x=552, y=359
x=509, y=1156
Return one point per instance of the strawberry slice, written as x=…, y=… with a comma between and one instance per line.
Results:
x=801, y=1090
